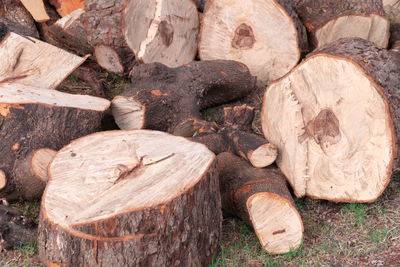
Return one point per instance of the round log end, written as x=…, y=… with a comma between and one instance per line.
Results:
x=108, y=59
x=263, y=156
x=281, y=232
x=3, y=179
x=128, y=113
x=40, y=162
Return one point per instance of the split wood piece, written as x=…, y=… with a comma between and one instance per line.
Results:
x=161, y=98
x=31, y=62
x=65, y=7
x=334, y=119
x=131, y=198
x=330, y=20
x=14, y=11
x=392, y=10
x=260, y=197
x=162, y=31
x=37, y=9
x=32, y=173
x=16, y=230
x=34, y=118
x=263, y=34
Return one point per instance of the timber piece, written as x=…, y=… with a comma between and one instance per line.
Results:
x=335, y=121
x=35, y=118
x=31, y=62
x=162, y=31
x=3, y=179
x=392, y=10
x=37, y=9
x=260, y=197
x=65, y=7
x=14, y=11
x=263, y=34
x=330, y=20
x=16, y=230
x=162, y=98
x=150, y=199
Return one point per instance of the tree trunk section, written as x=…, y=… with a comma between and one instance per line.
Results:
x=261, y=198
x=330, y=20
x=151, y=199
x=51, y=120
x=336, y=117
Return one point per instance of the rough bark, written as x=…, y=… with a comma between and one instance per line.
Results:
x=240, y=183
x=352, y=18
x=7, y=26
x=49, y=122
x=161, y=98
x=65, y=7
x=180, y=227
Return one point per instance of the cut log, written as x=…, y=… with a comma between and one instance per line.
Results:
x=330, y=20
x=31, y=62
x=3, y=179
x=162, y=31
x=7, y=26
x=50, y=119
x=65, y=7
x=131, y=198
x=334, y=119
x=392, y=10
x=15, y=229
x=263, y=34
x=37, y=9
x=161, y=98
x=260, y=197
x=14, y=11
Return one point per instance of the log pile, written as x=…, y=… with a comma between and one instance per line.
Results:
x=138, y=196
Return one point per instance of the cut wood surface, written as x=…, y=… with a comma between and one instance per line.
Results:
x=335, y=119
x=263, y=34
x=392, y=10
x=37, y=9
x=260, y=197
x=161, y=98
x=131, y=198
x=3, y=179
x=65, y=7
x=31, y=62
x=330, y=20
x=162, y=31
x=35, y=118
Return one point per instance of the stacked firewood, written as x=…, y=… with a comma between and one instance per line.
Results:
x=153, y=191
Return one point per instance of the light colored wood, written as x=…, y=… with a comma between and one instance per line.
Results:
x=31, y=62
x=108, y=58
x=128, y=113
x=258, y=33
x=65, y=7
x=3, y=179
x=162, y=31
x=332, y=128
x=40, y=162
x=392, y=9
x=263, y=156
x=277, y=224
x=37, y=9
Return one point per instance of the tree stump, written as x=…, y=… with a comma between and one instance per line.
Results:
x=131, y=198
x=334, y=119
x=33, y=119
x=260, y=197
x=263, y=34
x=330, y=20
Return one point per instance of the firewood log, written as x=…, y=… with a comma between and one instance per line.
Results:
x=392, y=10
x=65, y=7
x=335, y=120
x=31, y=62
x=34, y=119
x=162, y=98
x=37, y=9
x=7, y=26
x=260, y=197
x=263, y=34
x=131, y=198
x=330, y=20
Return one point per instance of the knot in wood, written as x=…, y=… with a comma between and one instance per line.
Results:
x=244, y=37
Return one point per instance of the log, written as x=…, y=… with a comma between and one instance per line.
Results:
x=392, y=10
x=3, y=179
x=236, y=30
x=161, y=98
x=260, y=197
x=14, y=11
x=7, y=26
x=335, y=121
x=37, y=9
x=330, y=20
x=51, y=120
x=65, y=7
x=31, y=62
x=131, y=198
x=16, y=230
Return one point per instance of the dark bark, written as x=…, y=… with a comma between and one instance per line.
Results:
x=7, y=26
